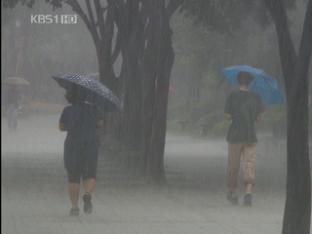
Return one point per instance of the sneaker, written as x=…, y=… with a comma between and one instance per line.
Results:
x=74, y=211
x=248, y=199
x=233, y=198
x=87, y=206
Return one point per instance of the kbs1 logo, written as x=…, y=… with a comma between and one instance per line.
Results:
x=53, y=19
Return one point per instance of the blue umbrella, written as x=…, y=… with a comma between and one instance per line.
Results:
x=96, y=91
x=262, y=84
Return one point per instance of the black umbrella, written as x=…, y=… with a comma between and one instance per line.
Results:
x=96, y=91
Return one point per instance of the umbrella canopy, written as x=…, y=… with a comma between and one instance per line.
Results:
x=99, y=94
x=18, y=81
x=262, y=84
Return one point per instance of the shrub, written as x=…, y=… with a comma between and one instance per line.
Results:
x=220, y=128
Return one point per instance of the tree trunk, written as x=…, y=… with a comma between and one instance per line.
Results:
x=132, y=49
x=155, y=157
x=132, y=116
x=155, y=164
x=106, y=72
x=297, y=214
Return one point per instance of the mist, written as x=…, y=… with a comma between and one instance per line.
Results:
x=193, y=198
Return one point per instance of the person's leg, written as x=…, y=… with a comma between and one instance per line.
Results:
x=74, y=189
x=249, y=166
x=89, y=166
x=89, y=185
x=9, y=117
x=234, y=154
x=249, y=169
x=89, y=175
x=14, y=119
x=72, y=165
x=73, y=192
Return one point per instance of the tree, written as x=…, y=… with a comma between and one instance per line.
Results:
x=139, y=32
x=295, y=67
x=148, y=59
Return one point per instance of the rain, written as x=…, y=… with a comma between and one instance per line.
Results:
x=120, y=117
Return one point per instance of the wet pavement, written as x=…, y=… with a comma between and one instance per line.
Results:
x=34, y=192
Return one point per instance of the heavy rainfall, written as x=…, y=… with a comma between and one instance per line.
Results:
x=145, y=116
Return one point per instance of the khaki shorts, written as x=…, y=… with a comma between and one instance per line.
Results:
x=236, y=153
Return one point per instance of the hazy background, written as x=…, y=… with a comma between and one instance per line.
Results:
x=34, y=180
x=197, y=89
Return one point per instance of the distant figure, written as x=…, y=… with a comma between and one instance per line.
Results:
x=80, y=148
x=243, y=108
x=12, y=104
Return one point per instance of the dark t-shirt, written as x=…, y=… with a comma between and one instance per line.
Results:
x=244, y=108
x=80, y=122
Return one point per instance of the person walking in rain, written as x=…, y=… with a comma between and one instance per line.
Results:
x=80, y=120
x=243, y=108
x=12, y=102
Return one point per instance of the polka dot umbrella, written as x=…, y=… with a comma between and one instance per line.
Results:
x=97, y=93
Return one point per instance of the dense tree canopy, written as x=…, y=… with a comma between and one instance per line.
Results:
x=227, y=16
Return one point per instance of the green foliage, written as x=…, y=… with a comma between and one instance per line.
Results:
x=223, y=15
x=200, y=56
x=220, y=128
x=273, y=116
x=228, y=15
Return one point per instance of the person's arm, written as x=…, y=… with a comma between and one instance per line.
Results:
x=260, y=110
x=228, y=108
x=227, y=116
x=100, y=119
x=259, y=117
x=62, y=126
x=63, y=120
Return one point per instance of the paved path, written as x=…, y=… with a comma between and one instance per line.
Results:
x=34, y=196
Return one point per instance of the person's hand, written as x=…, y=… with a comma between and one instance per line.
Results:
x=62, y=126
x=228, y=116
x=258, y=119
